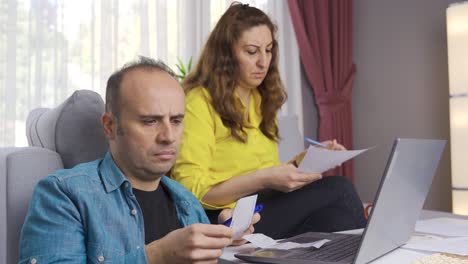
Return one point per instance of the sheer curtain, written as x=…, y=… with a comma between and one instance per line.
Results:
x=50, y=48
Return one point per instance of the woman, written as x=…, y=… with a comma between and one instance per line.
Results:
x=229, y=147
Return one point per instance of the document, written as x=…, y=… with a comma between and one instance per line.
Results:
x=242, y=216
x=443, y=226
x=452, y=245
x=320, y=160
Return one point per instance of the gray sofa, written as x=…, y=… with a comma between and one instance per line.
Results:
x=60, y=138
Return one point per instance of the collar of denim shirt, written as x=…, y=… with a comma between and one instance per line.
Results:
x=112, y=178
x=111, y=175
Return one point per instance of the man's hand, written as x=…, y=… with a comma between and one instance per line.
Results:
x=198, y=243
x=227, y=213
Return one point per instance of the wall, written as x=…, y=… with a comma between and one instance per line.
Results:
x=401, y=86
x=400, y=90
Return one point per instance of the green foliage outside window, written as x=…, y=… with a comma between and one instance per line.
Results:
x=183, y=70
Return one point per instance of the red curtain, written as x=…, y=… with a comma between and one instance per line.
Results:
x=324, y=31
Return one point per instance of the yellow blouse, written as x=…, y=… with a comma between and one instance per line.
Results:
x=210, y=155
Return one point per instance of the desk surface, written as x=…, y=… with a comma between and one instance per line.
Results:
x=407, y=256
x=397, y=256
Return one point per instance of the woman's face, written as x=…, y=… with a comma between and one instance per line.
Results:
x=253, y=52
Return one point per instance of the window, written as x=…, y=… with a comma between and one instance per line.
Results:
x=51, y=48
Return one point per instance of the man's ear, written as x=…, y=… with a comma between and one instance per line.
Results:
x=109, y=125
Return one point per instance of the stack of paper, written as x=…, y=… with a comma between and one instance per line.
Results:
x=443, y=226
x=452, y=236
x=453, y=245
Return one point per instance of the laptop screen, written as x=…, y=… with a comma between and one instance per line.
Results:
x=398, y=203
x=400, y=198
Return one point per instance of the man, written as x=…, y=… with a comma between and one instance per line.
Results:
x=122, y=208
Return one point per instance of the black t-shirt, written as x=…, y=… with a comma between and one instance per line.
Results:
x=159, y=213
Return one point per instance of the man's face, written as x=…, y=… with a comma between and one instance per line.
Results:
x=145, y=138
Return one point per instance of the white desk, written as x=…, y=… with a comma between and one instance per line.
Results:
x=400, y=256
x=407, y=256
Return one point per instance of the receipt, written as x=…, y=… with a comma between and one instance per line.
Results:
x=242, y=216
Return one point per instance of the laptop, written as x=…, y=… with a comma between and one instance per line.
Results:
x=398, y=203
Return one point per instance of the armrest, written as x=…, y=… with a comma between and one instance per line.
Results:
x=20, y=170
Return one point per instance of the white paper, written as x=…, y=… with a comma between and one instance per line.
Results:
x=290, y=245
x=321, y=159
x=242, y=216
x=453, y=245
x=262, y=241
x=443, y=226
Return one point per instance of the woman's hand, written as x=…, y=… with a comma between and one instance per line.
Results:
x=333, y=145
x=298, y=159
x=330, y=144
x=286, y=178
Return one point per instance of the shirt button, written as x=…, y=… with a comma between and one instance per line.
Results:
x=33, y=261
x=100, y=258
x=126, y=185
x=134, y=212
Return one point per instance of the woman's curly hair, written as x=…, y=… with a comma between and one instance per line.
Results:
x=218, y=71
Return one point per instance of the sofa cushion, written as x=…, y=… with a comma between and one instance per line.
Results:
x=72, y=129
x=291, y=140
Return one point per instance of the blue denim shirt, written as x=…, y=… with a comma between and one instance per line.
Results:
x=88, y=214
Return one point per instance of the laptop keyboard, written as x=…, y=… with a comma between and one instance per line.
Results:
x=334, y=250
